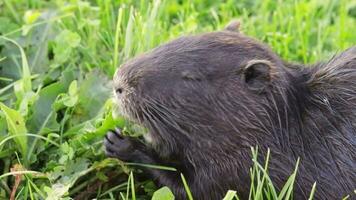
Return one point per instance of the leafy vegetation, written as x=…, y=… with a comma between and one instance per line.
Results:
x=56, y=62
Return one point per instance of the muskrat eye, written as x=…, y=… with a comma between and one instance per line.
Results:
x=119, y=90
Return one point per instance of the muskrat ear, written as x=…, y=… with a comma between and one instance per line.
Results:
x=257, y=74
x=233, y=25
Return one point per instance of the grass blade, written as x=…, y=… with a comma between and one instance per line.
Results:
x=117, y=37
x=312, y=191
x=133, y=193
x=187, y=190
x=152, y=166
x=230, y=195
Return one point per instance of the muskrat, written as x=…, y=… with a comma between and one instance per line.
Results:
x=206, y=99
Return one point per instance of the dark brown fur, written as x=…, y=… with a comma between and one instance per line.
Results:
x=207, y=99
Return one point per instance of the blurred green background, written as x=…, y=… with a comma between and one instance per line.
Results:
x=57, y=59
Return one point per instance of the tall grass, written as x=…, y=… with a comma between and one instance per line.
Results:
x=56, y=62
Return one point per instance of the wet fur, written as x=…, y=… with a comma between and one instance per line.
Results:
x=203, y=119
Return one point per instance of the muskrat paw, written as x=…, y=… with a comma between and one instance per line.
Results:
x=118, y=146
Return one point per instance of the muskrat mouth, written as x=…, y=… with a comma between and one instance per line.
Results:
x=133, y=119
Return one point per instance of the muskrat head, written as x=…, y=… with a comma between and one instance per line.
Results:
x=200, y=86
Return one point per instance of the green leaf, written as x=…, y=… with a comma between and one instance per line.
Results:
x=68, y=174
x=6, y=25
x=25, y=82
x=93, y=92
x=67, y=99
x=23, y=86
x=109, y=122
x=163, y=193
x=31, y=16
x=67, y=37
x=3, y=131
x=16, y=126
x=43, y=107
x=73, y=88
x=64, y=43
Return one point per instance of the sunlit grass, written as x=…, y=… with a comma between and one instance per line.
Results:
x=56, y=62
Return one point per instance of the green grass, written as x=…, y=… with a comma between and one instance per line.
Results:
x=57, y=59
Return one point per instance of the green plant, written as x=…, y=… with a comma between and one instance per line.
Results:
x=56, y=61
